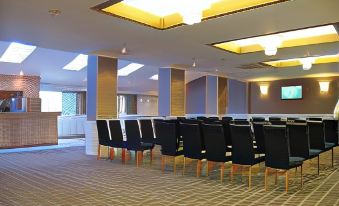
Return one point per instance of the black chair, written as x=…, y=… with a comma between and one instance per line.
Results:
x=215, y=147
x=117, y=139
x=300, y=121
x=134, y=142
x=258, y=119
x=278, y=122
x=243, y=153
x=278, y=154
x=181, y=118
x=147, y=132
x=240, y=122
x=155, y=122
x=317, y=137
x=227, y=118
x=274, y=118
x=193, y=148
x=299, y=142
x=227, y=134
x=103, y=136
x=168, y=142
x=292, y=119
x=331, y=131
x=201, y=118
x=259, y=136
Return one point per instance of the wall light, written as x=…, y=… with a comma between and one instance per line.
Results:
x=324, y=86
x=264, y=89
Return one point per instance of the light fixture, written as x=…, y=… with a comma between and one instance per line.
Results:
x=78, y=63
x=272, y=42
x=324, y=86
x=54, y=12
x=127, y=70
x=147, y=100
x=21, y=73
x=17, y=53
x=194, y=63
x=264, y=89
x=307, y=62
x=154, y=77
x=124, y=49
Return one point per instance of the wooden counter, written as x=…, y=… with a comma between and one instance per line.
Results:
x=28, y=129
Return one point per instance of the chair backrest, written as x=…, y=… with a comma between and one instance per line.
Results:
x=103, y=133
x=258, y=119
x=300, y=121
x=277, y=150
x=278, y=122
x=331, y=131
x=132, y=134
x=227, y=118
x=240, y=122
x=201, y=118
x=168, y=139
x=274, y=118
x=299, y=140
x=314, y=119
x=116, y=131
x=292, y=118
x=242, y=145
x=316, y=134
x=191, y=134
x=181, y=118
x=146, y=130
x=227, y=132
x=214, y=142
x=259, y=136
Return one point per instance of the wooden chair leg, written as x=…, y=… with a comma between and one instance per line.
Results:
x=249, y=177
x=198, y=168
x=318, y=164
x=266, y=173
x=138, y=157
x=163, y=162
x=301, y=176
x=123, y=155
x=231, y=173
x=98, y=156
x=151, y=156
x=222, y=169
x=184, y=166
x=332, y=158
x=174, y=166
x=208, y=168
x=111, y=153
x=276, y=177
x=286, y=181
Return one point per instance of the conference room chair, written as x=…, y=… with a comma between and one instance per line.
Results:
x=155, y=122
x=299, y=142
x=192, y=145
x=215, y=147
x=117, y=139
x=300, y=121
x=317, y=137
x=258, y=119
x=181, y=118
x=331, y=131
x=134, y=141
x=103, y=136
x=278, y=122
x=278, y=155
x=201, y=118
x=240, y=122
x=168, y=142
x=227, y=118
x=243, y=153
x=259, y=136
x=147, y=132
x=292, y=119
x=314, y=119
x=274, y=118
x=227, y=134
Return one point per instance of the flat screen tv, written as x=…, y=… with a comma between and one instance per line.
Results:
x=291, y=92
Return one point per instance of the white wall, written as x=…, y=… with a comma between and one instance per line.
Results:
x=147, y=105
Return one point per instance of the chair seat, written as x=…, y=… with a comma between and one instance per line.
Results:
x=329, y=145
x=314, y=152
x=259, y=159
x=295, y=161
x=147, y=144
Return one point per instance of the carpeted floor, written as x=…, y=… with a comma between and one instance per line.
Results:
x=68, y=177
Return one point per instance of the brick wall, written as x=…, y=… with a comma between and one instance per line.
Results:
x=29, y=85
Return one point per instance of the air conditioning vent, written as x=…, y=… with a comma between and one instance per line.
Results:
x=254, y=66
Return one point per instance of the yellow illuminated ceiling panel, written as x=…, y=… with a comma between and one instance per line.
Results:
x=270, y=43
x=165, y=14
x=299, y=61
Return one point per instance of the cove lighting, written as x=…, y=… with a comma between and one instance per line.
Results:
x=272, y=42
x=154, y=77
x=324, y=86
x=17, y=53
x=78, y=63
x=305, y=62
x=127, y=70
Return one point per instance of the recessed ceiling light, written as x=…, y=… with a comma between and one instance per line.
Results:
x=17, y=53
x=127, y=70
x=271, y=43
x=21, y=73
x=78, y=63
x=154, y=77
x=54, y=12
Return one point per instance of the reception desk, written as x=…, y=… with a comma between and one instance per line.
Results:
x=28, y=129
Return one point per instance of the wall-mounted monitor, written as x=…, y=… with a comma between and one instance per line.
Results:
x=291, y=92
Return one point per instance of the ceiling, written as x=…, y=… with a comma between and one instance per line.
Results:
x=79, y=29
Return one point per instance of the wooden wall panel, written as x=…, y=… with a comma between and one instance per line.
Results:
x=222, y=95
x=107, y=88
x=177, y=92
x=131, y=104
